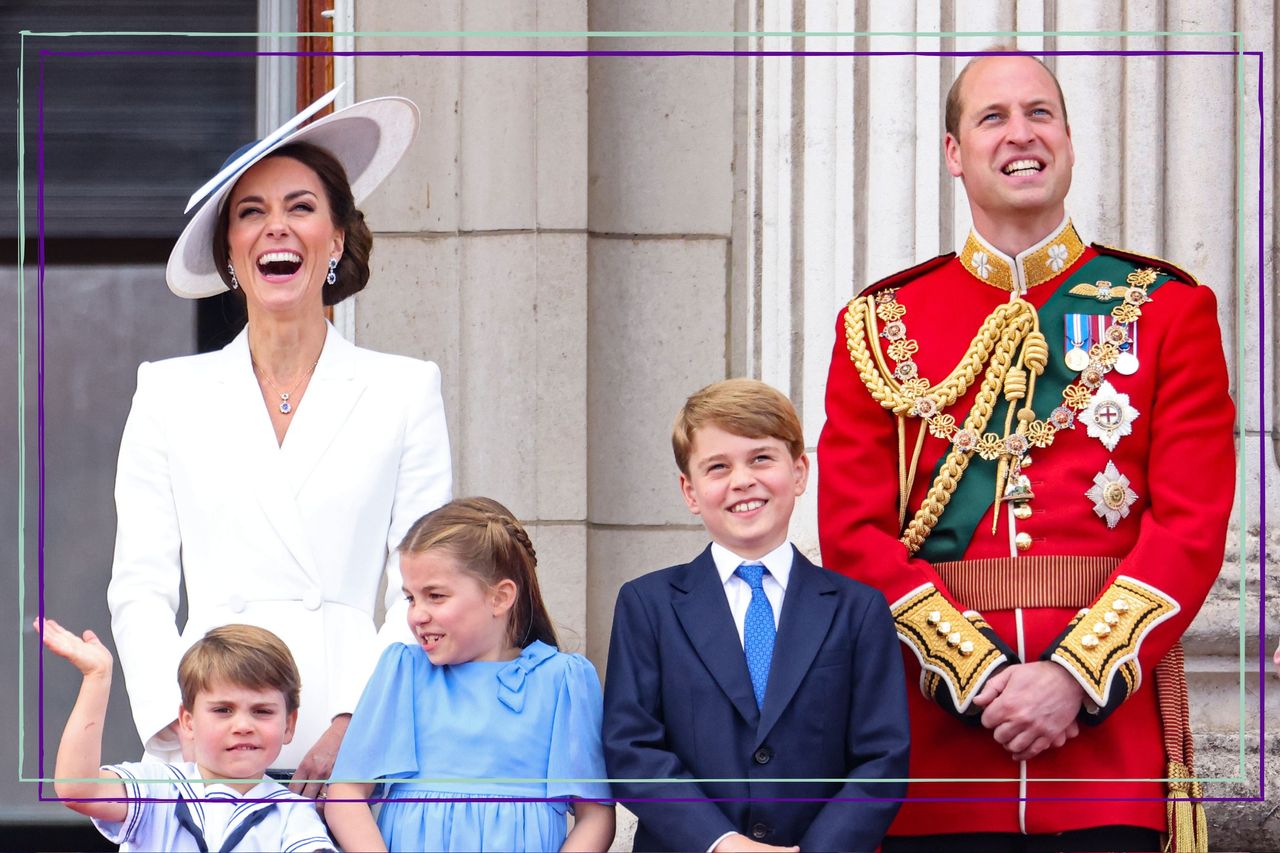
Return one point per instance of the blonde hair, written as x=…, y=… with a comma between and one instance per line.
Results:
x=954, y=107
x=491, y=546
x=241, y=655
x=745, y=407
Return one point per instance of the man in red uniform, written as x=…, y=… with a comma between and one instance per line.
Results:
x=1029, y=450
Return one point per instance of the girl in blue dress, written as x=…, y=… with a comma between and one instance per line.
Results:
x=482, y=735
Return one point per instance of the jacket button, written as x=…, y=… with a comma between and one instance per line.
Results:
x=235, y=604
x=1023, y=541
x=311, y=599
x=763, y=755
x=759, y=830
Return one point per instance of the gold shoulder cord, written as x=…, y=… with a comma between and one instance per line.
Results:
x=1010, y=331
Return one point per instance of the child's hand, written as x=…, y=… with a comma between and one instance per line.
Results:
x=88, y=654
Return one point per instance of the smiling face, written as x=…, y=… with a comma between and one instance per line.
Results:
x=744, y=489
x=237, y=731
x=454, y=616
x=1013, y=147
x=280, y=237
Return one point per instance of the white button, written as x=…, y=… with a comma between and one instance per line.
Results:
x=311, y=599
x=236, y=604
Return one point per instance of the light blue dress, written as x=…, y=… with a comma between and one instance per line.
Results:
x=464, y=732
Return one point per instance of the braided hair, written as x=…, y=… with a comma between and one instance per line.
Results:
x=491, y=545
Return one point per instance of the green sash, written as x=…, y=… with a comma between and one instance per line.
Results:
x=976, y=490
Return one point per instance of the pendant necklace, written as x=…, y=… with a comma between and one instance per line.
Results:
x=285, y=406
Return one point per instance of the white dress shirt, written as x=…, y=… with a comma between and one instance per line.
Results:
x=738, y=591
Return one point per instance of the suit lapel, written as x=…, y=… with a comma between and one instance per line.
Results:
x=330, y=398
x=807, y=611
x=265, y=474
x=703, y=611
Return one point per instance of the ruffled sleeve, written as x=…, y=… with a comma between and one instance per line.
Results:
x=576, y=753
x=381, y=741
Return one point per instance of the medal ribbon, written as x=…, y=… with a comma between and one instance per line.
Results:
x=1079, y=333
x=1106, y=321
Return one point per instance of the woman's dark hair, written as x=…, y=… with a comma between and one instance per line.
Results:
x=489, y=544
x=353, y=266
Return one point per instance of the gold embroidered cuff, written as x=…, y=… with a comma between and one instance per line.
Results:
x=951, y=649
x=1101, y=648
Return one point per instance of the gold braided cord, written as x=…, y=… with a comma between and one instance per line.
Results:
x=996, y=344
x=1020, y=384
x=1035, y=352
x=866, y=321
x=860, y=327
x=953, y=468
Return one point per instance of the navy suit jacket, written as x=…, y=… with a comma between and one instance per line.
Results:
x=678, y=705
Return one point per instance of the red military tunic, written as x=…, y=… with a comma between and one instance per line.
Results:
x=1015, y=595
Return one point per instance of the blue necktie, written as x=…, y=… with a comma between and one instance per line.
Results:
x=758, y=630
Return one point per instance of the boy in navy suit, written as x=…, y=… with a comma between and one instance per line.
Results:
x=750, y=683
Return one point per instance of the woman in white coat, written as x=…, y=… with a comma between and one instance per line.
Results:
x=275, y=477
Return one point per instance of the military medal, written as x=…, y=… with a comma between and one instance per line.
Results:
x=1124, y=337
x=1109, y=417
x=1079, y=338
x=1111, y=495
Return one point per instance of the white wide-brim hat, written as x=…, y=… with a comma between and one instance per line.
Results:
x=367, y=138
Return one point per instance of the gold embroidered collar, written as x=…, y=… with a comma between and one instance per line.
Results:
x=1034, y=266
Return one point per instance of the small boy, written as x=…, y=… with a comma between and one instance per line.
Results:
x=239, y=705
x=751, y=675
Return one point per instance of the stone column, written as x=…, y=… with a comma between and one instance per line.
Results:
x=661, y=195
x=480, y=261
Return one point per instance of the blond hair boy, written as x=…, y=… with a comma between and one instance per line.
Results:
x=239, y=707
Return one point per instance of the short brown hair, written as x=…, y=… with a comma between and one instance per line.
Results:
x=491, y=546
x=242, y=655
x=955, y=107
x=352, y=272
x=746, y=407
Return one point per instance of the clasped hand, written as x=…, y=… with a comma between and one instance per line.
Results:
x=1031, y=707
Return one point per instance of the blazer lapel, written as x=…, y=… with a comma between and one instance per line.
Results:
x=330, y=398
x=265, y=474
x=807, y=611
x=703, y=610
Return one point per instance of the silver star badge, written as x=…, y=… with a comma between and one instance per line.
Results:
x=1111, y=495
x=1109, y=416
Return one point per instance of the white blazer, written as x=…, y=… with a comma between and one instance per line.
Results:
x=291, y=537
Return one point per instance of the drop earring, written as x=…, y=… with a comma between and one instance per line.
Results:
x=231, y=271
x=333, y=275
